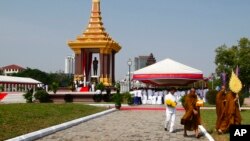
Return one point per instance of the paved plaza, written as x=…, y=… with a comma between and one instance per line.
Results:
x=125, y=125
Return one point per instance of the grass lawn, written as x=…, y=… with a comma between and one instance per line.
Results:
x=18, y=119
x=209, y=119
x=208, y=105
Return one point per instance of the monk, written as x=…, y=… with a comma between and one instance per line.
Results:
x=191, y=118
x=231, y=116
x=220, y=105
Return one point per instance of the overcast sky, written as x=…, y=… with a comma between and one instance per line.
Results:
x=34, y=33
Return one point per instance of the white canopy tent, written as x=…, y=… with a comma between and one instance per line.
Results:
x=168, y=73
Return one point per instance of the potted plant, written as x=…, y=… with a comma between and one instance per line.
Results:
x=100, y=86
x=117, y=98
x=128, y=98
x=117, y=87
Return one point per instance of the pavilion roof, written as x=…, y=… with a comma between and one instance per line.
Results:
x=12, y=66
x=12, y=79
x=95, y=35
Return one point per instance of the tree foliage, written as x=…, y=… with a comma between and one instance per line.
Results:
x=228, y=58
x=62, y=79
x=35, y=74
x=54, y=87
x=1, y=71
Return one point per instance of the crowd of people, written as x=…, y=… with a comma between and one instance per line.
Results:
x=227, y=107
x=156, y=96
x=227, y=111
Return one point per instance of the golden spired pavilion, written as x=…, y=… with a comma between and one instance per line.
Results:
x=95, y=40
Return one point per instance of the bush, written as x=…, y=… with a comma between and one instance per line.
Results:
x=54, y=87
x=42, y=96
x=117, y=98
x=211, y=96
x=97, y=97
x=28, y=96
x=1, y=88
x=182, y=100
x=117, y=87
x=100, y=86
x=68, y=98
x=106, y=97
x=241, y=99
x=127, y=98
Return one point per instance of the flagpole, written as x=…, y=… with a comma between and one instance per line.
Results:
x=239, y=102
x=237, y=73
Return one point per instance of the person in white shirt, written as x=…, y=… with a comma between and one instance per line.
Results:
x=139, y=94
x=93, y=87
x=170, y=110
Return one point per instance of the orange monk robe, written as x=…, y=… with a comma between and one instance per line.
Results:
x=220, y=106
x=189, y=119
x=231, y=114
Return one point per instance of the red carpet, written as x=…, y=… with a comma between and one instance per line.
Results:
x=2, y=95
x=84, y=89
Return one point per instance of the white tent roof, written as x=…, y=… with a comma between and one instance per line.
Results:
x=12, y=79
x=168, y=72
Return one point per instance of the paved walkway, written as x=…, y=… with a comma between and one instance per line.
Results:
x=125, y=125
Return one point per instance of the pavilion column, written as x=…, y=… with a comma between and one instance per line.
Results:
x=25, y=85
x=78, y=62
x=86, y=63
x=101, y=58
x=113, y=67
x=8, y=87
x=5, y=86
x=13, y=87
x=16, y=87
x=19, y=87
x=108, y=65
x=105, y=66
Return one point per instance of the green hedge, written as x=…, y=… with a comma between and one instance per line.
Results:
x=211, y=96
x=42, y=96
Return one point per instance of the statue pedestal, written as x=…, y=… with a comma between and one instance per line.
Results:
x=94, y=79
x=94, y=76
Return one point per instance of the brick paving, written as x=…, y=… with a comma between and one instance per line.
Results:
x=125, y=125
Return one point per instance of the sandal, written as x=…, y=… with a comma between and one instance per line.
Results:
x=198, y=136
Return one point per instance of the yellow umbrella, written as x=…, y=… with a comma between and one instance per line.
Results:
x=235, y=84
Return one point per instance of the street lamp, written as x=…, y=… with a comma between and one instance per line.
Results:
x=129, y=65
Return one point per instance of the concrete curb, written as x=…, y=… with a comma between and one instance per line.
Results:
x=50, y=130
x=106, y=105
x=204, y=131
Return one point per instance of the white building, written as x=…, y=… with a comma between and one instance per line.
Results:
x=10, y=69
x=69, y=65
x=13, y=84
